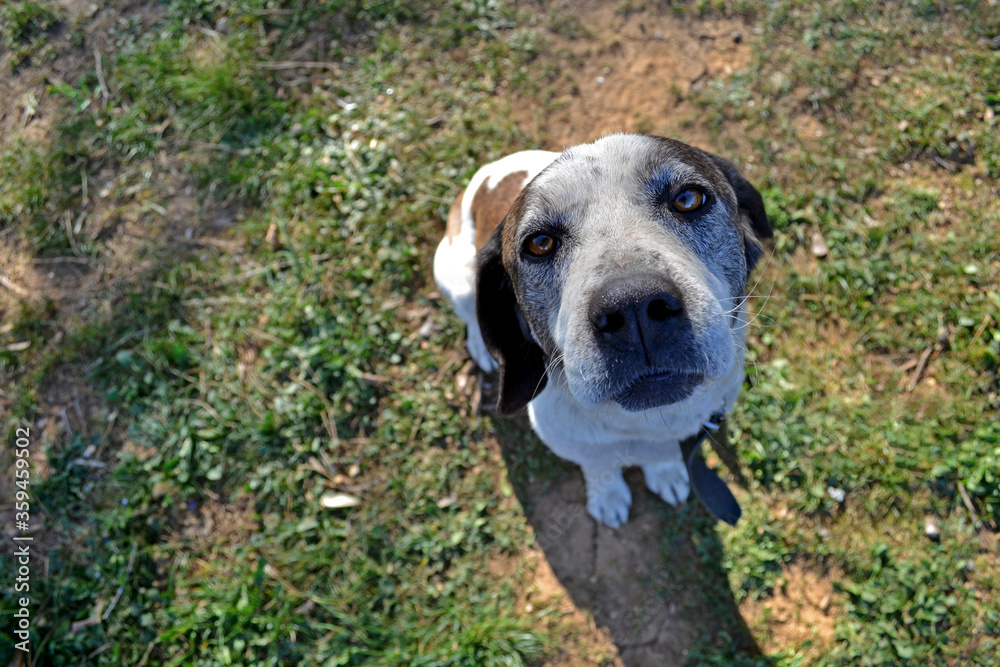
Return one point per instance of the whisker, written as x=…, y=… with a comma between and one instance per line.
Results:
x=746, y=297
x=549, y=365
x=760, y=310
x=760, y=277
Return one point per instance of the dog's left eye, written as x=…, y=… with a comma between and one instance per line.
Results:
x=541, y=245
x=690, y=199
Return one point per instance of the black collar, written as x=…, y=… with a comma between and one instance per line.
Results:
x=710, y=489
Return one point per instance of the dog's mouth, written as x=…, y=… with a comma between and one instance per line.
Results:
x=658, y=389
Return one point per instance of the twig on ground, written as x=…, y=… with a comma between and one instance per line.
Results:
x=968, y=504
x=919, y=371
x=295, y=64
x=982, y=327
x=937, y=348
x=280, y=266
x=121, y=589
x=61, y=260
x=100, y=78
x=69, y=431
x=14, y=287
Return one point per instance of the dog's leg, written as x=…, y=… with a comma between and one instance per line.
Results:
x=669, y=480
x=608, y=496
x=465, y=308
x=455, y=275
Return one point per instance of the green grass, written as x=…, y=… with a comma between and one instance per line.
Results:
x=899, y=185
x=23, y=29
x=237, y=389
x=310, y=584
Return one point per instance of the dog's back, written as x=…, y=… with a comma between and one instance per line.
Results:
x=474, y=215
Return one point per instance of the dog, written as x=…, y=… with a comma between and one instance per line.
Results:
x=607, y=284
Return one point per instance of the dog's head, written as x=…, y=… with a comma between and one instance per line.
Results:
x=623, y=265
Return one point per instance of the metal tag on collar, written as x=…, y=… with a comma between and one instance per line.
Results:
x=708, y=486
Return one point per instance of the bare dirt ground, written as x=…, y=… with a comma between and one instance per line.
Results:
x=630, y=72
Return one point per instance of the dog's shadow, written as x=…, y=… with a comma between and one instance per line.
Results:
x=656, y=584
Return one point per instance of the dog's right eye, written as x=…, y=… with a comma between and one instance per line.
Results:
x=541, y=245
x=689, y=200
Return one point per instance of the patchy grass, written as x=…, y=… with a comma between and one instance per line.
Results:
x=23, y=27
x=276, y=467
x=888, y=153
x=281, y=379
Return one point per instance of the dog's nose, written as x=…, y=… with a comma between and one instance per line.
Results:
x=636, y=313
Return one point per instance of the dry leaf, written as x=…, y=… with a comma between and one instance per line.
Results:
x=338, y=500
x=271, y=238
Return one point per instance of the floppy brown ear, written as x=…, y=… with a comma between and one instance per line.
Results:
x=505, y=332
x=751, y=205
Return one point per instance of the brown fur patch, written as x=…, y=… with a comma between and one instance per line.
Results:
x=454, y=227
x=508, y=240
x=490, y=205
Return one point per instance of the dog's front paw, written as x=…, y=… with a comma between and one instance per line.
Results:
x=608, y=498
x=669, y=480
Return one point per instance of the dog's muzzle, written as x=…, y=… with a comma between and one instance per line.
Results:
x=658, y=389
x=641, y=325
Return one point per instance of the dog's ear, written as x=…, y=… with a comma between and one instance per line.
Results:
x=505, y=331
x=751, y=205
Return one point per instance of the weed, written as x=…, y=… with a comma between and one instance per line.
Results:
x=899, y=610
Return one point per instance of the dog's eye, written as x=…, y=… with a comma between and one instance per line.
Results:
x=541, y=245
x=690, y=199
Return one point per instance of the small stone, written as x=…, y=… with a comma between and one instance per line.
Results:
x=931, y=528
x=819, y=247
x=447, y=501
x=427, y=329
